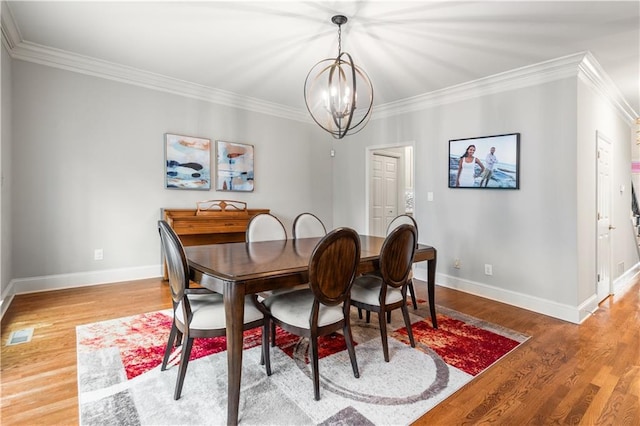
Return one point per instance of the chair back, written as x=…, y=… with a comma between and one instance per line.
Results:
x=400, y=220
x=177, y=265
x=265, y=227
x=307, y=225
x=396, y=255
x=333, y=266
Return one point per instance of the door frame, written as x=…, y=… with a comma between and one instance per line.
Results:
x=601, y=137
x=368, y=154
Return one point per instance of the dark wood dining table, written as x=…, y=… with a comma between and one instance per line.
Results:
x=238, y=269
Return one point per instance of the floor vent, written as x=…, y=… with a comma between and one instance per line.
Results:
x=20, y=336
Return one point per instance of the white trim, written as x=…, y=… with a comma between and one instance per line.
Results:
x=6, y=300
x=56, y=58
x=573, y=314
x=536, y=304
x=530, y=75
x=628, y=277
x=10, y=32
x=592, y=74
x=75, y=280
x=84, y=279
x=582, y=64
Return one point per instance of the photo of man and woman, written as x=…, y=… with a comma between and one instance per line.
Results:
x=485, y=162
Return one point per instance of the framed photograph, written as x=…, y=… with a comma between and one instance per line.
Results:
x=491, y=162
x=234, y=166
x=187, y=162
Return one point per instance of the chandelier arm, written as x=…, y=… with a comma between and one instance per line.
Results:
x=365, y=118
x=353, y=91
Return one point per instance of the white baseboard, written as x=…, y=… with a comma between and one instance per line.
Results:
x=573, y=314
x=6, y=300
x=626, y=278
x=78, y=279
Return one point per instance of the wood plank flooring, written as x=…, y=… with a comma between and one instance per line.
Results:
x=565, y=374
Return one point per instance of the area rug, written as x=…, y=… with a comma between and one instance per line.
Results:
x=120, y=382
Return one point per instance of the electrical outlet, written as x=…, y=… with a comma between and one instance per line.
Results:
x=456, y=263
x=488, y=269
x=98, y=254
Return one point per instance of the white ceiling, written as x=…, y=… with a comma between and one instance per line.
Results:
x=264, y=49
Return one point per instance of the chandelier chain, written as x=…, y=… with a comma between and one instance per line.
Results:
x=339, y=40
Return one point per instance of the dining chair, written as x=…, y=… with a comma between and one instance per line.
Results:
x=307, y=225
x=388, y=292
x=324, y=307
x=397, y=221
x=265, y=227
x=197, y=315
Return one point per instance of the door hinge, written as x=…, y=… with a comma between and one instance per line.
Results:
x=598, y=277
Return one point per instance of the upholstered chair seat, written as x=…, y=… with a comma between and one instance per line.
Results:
x=368, y=291
x=294, y=307
x=208, y=312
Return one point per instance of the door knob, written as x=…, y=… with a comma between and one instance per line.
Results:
x=611, y=227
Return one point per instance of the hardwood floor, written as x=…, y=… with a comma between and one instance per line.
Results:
x=564, y=374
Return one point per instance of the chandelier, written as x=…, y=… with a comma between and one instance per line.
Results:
x=338, y=93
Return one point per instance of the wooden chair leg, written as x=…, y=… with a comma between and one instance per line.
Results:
x=383, y=334
x=313, y=341
x=273, y=334
x=407, y=323
x=389, y=317
x=413, y=295
x=266, y=350
x=170, y=346
x=432, y=304
x=368, y=317
x=348, y=337
x=359, y=313
x=182, y=371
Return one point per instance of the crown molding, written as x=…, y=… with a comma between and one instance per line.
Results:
x=10, y=32
x=591, y=72
x=583, y=64
x=32, y=52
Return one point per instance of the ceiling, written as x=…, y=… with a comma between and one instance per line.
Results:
x=264, y=49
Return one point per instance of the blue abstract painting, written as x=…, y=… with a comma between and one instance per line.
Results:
x=187, y=162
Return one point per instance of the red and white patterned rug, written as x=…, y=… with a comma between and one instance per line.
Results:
x=120, y=382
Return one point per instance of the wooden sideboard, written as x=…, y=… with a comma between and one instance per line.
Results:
x=212, y=222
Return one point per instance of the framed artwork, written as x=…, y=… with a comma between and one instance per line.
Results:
x=187, y=162
x=234, y=166
x=491, y=162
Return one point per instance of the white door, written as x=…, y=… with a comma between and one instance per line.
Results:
x=603, y=196
x=383, y=204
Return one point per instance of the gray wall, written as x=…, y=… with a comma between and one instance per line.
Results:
x=88, y=156
x=539, y=239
